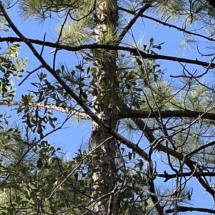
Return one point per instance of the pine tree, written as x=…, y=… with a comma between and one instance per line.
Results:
x=117, y=86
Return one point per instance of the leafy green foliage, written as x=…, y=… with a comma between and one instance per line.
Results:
x=156, y=122
x=10, y=67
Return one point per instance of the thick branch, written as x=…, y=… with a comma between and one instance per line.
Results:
x=48, y=106
x=132, y=21
x=165, y=114
x=134, y=51
x=170, y=176
x=185, y=209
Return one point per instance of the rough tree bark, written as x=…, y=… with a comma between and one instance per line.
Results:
x=104, y=86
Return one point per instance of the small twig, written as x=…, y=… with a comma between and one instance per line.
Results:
x=29, y=74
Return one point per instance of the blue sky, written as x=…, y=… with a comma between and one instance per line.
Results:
x=72, y=137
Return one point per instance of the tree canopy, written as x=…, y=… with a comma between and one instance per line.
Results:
x=151, y=111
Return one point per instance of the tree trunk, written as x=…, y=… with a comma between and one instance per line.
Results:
x=104, y=84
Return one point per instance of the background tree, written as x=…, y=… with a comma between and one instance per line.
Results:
x=118, y=86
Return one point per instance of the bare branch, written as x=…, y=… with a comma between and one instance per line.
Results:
x=170, y=176
x=156, y=143
x=165, y=114
x=133, y=51
x=185, y=209
x=70, y=111
x=131, y=23
x=167, y=24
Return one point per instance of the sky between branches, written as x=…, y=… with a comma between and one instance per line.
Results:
x=75, y=135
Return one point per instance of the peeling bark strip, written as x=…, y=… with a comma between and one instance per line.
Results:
x=103, y=81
